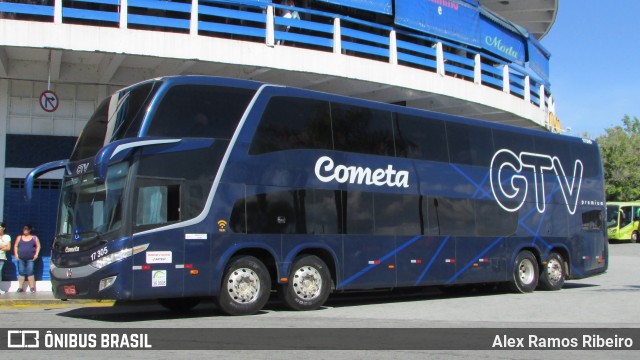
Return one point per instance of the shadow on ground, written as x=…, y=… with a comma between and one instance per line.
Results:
x=139, y=311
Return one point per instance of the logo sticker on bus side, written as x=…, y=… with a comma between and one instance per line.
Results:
x=326, y=171
x=510, y=187
x=158, y=278
x=159, y=257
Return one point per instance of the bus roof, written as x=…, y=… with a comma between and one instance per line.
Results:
x=623, y=203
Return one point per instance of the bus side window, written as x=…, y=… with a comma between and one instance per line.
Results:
x=592, y=220
x=200, y=111
x=469, y=145
x=397, y=214
x=359, y=213
x=158, y=204
x=420, y=138
x=293, y=123
x=362, y=130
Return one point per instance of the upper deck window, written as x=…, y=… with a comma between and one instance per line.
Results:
x=293, y=123
x=420, y=138
x=200, y=111
x=362, y=130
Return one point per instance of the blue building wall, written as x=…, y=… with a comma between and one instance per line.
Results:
x=26, y=151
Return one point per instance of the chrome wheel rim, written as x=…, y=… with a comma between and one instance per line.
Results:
x=243, y=285
x=307, y=283
x=554, y=270
x=526, y=271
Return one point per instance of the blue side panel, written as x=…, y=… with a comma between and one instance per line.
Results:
x=449, y=19
x=502, y=42
x=366, y=262
x=379, y=6
x=27, y=151
x=425, y=262
x=147, y=283
x=538, y=59
x=480, y=260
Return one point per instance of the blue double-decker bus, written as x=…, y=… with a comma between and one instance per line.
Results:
x=186, y=188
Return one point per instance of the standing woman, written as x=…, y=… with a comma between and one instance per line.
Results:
x=5, y=245
x=26, y=250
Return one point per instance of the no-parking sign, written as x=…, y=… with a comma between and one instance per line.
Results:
x=49, y=101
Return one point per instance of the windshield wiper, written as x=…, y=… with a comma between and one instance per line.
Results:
x=77, y=237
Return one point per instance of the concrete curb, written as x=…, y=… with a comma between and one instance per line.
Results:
x=13, y=302
x=43, y=297
x=12, y=286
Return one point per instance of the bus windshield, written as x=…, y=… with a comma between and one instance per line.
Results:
x=612, y=216
x=117, y=117
x=89, y=210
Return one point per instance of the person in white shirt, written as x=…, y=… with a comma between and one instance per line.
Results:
x=5, y=245
x=288, y=14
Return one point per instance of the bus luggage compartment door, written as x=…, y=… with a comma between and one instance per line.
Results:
x=154, y=274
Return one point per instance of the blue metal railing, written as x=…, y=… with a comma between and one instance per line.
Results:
x=263, y=22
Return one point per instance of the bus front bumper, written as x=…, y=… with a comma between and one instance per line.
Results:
x=87, y=282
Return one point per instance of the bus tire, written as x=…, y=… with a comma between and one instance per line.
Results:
x=245, y=287
x=179, y=304
x=525, y=273
x=634, y=237
x=553, y=274
x=309, y=284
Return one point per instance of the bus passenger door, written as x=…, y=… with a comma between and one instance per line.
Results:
x=155, y=274
x=626, y=222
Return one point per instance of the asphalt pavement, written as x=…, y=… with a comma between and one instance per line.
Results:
x=606, y=301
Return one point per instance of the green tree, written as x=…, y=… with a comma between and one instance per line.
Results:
x=620, y=147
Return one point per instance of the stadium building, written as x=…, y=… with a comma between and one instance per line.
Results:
x=60, y=58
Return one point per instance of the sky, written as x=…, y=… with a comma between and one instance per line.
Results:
x=595, y=63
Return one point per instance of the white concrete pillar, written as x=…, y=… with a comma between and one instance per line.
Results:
x=542, y=96
x=439, y=59
x=506, y=86
x=337, y=37
x=477, y=69
x=4, y=119
x=270, y=38
x=393, y=48
x=124, y=13
x=57, y=12
x=527, y=89
x=193, y=26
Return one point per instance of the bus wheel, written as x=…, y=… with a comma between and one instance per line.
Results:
x=245, y=287
x=179, y=304
x=634, y=237
x=309, y=284
x=553, y=274
x=525, y=273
